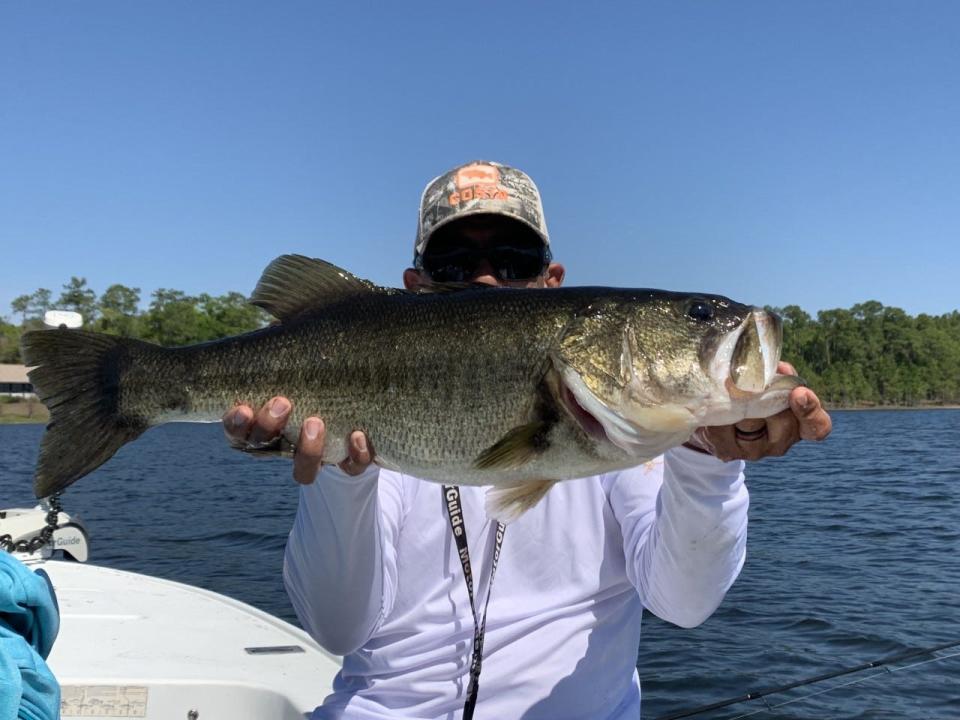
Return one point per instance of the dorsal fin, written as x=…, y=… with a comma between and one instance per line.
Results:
x=293, y=284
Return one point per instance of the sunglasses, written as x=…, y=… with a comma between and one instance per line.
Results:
x=509, y=262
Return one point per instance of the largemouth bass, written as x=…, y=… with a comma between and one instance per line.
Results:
x=513, y=388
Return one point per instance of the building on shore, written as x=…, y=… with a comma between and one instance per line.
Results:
x=14, y=381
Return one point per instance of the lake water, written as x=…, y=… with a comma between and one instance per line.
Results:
x=854, y=556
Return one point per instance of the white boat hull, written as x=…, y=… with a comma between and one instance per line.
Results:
x=133, y=645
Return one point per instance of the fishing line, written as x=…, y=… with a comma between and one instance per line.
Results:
x=882, y=671
x=759, y=694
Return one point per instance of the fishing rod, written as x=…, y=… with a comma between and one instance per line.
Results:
x=756, y=694
x=885, y=670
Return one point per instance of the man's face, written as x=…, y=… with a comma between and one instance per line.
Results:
x=488, y=250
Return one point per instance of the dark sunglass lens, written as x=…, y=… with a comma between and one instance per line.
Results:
x=513, y=263
x=453, y=266
x=447, y=273
x=509, y=262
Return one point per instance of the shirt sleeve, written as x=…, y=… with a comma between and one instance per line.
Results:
x=340, y=563
x=684, y=524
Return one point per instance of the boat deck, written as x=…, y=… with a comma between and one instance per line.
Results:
x=132, y=645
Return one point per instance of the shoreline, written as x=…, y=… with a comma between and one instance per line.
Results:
x=23, y=412
x=873, y=408
x=20, y=420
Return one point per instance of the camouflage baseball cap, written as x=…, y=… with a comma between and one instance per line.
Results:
x=479, y=187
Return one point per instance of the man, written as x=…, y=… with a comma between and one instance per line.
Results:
x=373, y=570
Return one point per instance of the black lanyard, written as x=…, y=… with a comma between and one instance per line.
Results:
x=451, y=496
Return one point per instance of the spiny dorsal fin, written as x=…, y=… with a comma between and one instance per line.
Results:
x=506, y=503
x=517, y=447
x=293, y=284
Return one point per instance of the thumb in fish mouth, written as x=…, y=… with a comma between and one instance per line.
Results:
x=733, y=442
x=750, y=429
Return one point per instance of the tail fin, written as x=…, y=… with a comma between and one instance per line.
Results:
x=78, y=377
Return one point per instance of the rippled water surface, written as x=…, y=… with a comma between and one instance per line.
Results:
x=854, y=556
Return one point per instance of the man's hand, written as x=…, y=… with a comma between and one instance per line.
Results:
x=244, y=429
x=805, y=419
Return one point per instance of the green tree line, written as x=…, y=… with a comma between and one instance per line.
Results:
x=868, y=355
x=875, y=355
x=172, y=317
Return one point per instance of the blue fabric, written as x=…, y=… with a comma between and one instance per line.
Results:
x=29, y=622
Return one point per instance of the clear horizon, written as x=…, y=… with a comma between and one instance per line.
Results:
x=778, y=154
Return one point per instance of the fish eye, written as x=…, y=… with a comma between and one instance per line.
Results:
x=700, y=310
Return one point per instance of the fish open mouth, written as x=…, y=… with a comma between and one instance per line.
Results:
x=746, y=366
x=747, y=363
x=751, y=354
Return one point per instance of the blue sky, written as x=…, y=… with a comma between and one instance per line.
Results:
x=775, y=152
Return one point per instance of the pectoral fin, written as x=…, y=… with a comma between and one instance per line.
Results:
x=508, y=503
x=516, y=448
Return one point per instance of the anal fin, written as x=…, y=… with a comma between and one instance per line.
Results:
x=508, y=502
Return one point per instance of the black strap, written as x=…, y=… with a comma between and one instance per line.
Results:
x=451, y=495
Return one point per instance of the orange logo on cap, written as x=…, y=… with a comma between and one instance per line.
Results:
x=475, y=182
x=477, y=174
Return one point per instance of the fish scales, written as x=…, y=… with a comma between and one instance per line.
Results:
x=474, y=358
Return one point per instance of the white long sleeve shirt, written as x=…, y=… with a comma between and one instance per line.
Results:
x=373, y=574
